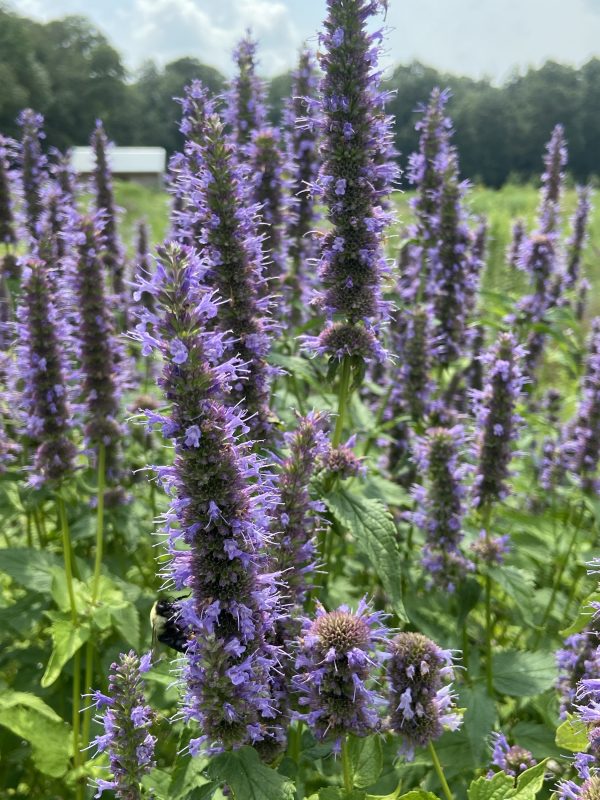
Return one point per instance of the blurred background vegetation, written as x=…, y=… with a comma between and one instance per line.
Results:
x=68, y=70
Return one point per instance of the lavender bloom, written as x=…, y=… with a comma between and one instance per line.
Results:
x=42, y=367
x=296, y=517
x=127, y=722
x=352, y=183
x=421, y=703
x=33, y=166
x=7, y=231
x=196, y=107
x=590, y=786
x=302, y=145
x=511, y=759
x=219, y=517
x=582, y=294
x=491, y=549
x=336, y=663
x=271, y=193
x=518, y=235
x=440, y=506
x=342, y=462
x=232, y=259
x=577, y=660
x=98, y=353
x=579, y=234
x=581, y=442
x=52, y=224
x=415, y=353
x=553, y=178
x=112, y=254
x=496, y=420
x=64, y=174
x=245, y=111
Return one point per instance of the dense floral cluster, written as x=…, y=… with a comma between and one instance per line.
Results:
x=577, y=660
x=578, y=238
x=33, y=166
x=7, y=229
x=245, y=111
x=512, y=759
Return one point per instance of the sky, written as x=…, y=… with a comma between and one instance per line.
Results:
x=479, y=38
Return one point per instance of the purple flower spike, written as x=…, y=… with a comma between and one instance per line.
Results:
x=127, y=722
x=496, y=419
x=512, y=759
x=245, y=111
x=414, y=350
x=577, y=660
x=353, y=182
x=113, y=255
x=553, y=178
x=440, y=506
x=336, y=665
x=33, y=165
x=7, y=224
x=421, y=703
x=219, y=517
x=579, y=234
x=302, y=145
x=514, y=249
x=43, y=368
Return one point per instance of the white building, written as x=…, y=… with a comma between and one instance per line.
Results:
x=146, y=165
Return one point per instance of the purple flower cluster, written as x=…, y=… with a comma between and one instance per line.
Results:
x=33, y=166
x=414, y=348
x=577, y=660
x=579, y=234
x=511, y=759
x=219, y=518
x=496, y=419
x=492, y=550
x=7, y=229
x=514, y=249
x=421, y=700
x=337, y=654
x=245, y=111
x=225, y=223
x=439, y=504
x=296, y=517
x=112, y=252
x=42, y=368
x=302, y=146
x=553, y=179
x=352, y=182
x=127, y=722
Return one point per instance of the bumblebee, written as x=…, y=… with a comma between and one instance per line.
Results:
x=167, y=627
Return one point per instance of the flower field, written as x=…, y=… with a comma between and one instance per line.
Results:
x=298, y=458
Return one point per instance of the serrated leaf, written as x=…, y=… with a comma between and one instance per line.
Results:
x=519, y=674
x=518, y=585
x=366, y=760
x=66, y=640
x=187, y=776
x=414, y=794
x=30, y=568
x=248, y=778
x=530, y=782
x=30, y=718
x=374, y=532
x=537, y=738
x=496, y=788
x=584, y=617
x=572, y=735
x=479, y=719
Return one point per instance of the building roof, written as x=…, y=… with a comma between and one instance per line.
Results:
x=123, y=160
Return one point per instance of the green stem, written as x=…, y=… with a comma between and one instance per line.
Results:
x=346, y=766
x=298, y=396
x=489, y=675
x=440, y=772
x=66, y=542
x=99, y=521
x=343, y=395
x=378, y=419
x=76, y=700
x=87, y=714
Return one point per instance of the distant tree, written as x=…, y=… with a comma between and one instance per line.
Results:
x=278, y=92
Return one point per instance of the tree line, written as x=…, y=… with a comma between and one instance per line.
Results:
x=70, y=72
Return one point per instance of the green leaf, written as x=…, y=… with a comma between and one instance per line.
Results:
x=530, y=782
x=366, y=760
x=496, y=788
x=520, y=674
x=519, y=586
x=414, y=794
x=479, y=719
x=127, y=622
x=32, y=569
x=583, y=619
x=374, y=532
x=572, y=735
x=67, y=639
x=187, y=776
x=28, y=717
x=537, y=738
x=337, y=793
x=248, y=778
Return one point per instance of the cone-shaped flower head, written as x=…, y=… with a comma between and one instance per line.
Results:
x=440, y=506
x=579, y=234
x=113, y=255
x=352, y=183
x=127, y=721
x=555, y=160
x=7, y=226
x=302, y=143
x=518, y=234
x=33, y=166
x=415, y=358
x=512, y=759
x=219, y=516
x=43, y=369
x=496, y=419
x=245, y=111
x=421, y=703
x=336, y=665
